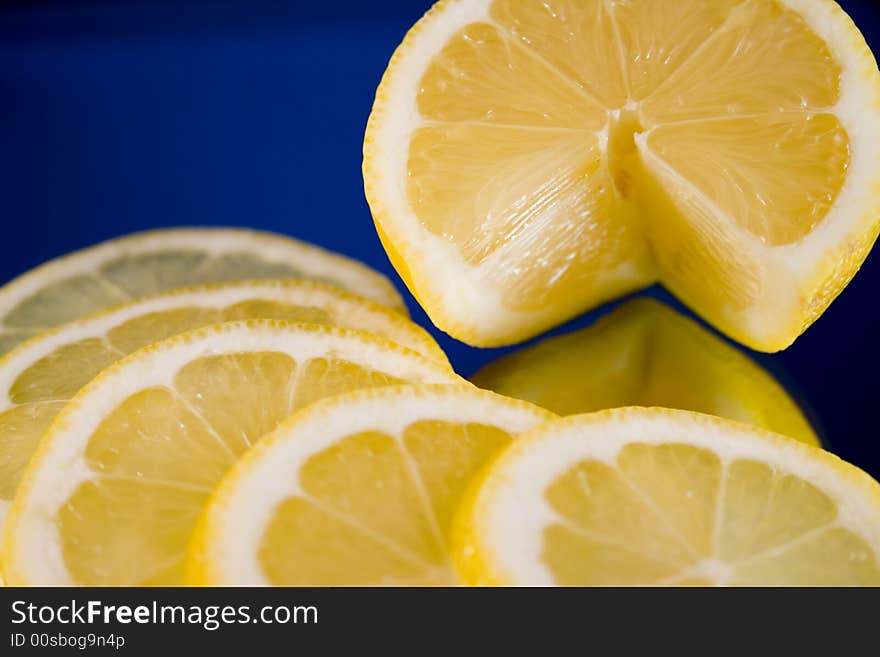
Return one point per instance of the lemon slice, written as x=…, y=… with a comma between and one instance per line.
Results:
x=142, y=264
x=113, y=491
x=526, y=160
x=39, y=376
x=645, y=354
x=359, y=489
x=658, y=497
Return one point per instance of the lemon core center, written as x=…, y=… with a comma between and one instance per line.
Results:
x=623, y=126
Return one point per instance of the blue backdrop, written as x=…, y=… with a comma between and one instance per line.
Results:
x=122, y=116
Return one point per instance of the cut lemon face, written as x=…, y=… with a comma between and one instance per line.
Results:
x=645, y=354
x=527, y=160
x=143, y=264
x=115, y=487
x=41, y=375
x=359, y=489
x=657, y=497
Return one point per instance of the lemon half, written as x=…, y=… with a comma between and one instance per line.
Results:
x=527, y=160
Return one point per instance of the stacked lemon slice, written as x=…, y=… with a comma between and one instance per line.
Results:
x=364, y=490
x=115, y=426
x=128, y=268
x=651, y=496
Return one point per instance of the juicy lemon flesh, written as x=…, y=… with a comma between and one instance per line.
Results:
x=376, y=509
x=677, y=514
x=645, y=354
x=130, y=277
x=20, y=429
x=562, y=141
x=40, y=390
x=154, y=460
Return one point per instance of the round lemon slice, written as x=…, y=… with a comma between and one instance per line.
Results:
x=113, y=491
x=526, y=160
x=646, y=354
x=39, y=376
x=143, y=264
x=359, y=489
x=646, y=496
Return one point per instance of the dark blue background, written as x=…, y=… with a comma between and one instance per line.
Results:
x=122, y=116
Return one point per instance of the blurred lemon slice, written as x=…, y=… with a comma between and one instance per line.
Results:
x=359, y=489
x=39, y=376
x=660, y=497
x=115, y=487
x=527, y=160
x=645, y=354
x=143, y=264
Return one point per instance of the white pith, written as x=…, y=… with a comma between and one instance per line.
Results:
x=244, y=503
x=789, y=276
x=511, y=510
x=59, y=466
